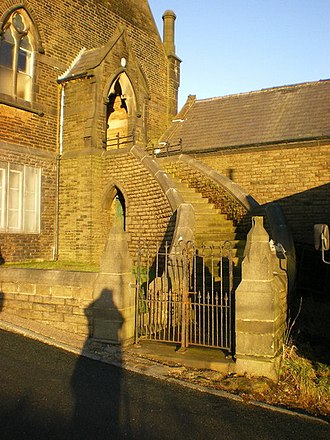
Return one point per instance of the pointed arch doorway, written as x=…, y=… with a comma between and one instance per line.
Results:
x=121, y=109
x=118, y=211
x=114, y=206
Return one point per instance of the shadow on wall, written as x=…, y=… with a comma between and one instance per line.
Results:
x=96, y=386
x=312, y=289
x=2, y=301
x=302, y=211
x=305, y=209
x=157, y=253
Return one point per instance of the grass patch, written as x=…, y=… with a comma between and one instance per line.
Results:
x=306, y=381
x=55, y=265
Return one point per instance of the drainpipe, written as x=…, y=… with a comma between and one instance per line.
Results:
x=58, y=163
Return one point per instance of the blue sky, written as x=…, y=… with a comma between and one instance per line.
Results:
x=234, y=46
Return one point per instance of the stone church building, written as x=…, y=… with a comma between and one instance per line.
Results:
x=91, y=137
x=70, y=84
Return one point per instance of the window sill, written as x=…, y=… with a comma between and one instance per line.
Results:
x=20, y=104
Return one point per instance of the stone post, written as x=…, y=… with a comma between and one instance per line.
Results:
x=261, y=306
x=112, y=314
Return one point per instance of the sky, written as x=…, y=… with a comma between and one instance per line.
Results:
x=237, y=46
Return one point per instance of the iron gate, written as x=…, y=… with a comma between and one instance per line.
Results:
x=185, y=295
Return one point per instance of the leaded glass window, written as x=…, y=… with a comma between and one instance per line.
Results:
x=16, y=57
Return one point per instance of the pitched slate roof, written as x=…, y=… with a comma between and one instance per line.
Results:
x=288, y=113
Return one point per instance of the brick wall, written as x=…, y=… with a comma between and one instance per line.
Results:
x=296, y=176
x=84, y=215
x=148, y=210
x=18, y=247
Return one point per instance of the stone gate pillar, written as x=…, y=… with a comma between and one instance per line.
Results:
x=112, y=314
x=261, y=306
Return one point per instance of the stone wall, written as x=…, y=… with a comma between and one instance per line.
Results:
x=57, y=298
x=295, y=175
x=99, y=305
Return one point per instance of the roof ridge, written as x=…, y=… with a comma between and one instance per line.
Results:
x=267, y=89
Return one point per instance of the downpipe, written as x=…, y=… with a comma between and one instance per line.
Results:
x=58, y=166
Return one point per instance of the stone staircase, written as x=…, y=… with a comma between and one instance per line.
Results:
x=212, y=227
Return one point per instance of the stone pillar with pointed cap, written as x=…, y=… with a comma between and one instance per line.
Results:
x=261, y=306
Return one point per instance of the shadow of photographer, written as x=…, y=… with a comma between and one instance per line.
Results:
x=96, y=386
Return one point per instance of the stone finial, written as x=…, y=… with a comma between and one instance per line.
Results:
x=258, y=256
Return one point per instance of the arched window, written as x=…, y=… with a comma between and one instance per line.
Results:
x=16, y=56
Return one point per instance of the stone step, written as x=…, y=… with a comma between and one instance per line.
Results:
x=216, y=271
x=211, y=225
x=180, y=184
x=214, y=226
x=216, y=236
x=212, y=217
x=206, y=251
x=193, y=198
x=204, y=210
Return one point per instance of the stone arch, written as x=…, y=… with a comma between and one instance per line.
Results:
x=114, y=202
x=121, y=111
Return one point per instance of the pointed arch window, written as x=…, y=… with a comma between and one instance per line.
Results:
x=17, y=56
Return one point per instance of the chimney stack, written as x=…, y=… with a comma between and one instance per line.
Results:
x=168, y=32
x=173, y=65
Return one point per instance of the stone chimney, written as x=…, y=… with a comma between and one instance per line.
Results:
x=168, y=32
x=173, y=73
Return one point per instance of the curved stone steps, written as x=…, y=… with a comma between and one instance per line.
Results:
x=211, y=226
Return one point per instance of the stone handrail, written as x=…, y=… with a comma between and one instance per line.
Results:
x=235, y=190
x=185, y=215
x=272, y=212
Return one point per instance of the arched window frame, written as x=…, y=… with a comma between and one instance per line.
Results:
x=17, y=64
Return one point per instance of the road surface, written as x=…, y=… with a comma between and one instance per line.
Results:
x=47, y=393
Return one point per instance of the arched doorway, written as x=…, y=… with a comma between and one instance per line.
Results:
x=118, y=211
x=121, y=109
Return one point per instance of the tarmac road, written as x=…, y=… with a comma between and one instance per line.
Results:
x=47, y=393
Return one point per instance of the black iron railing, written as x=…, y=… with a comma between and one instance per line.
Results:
x=185, y=295
x=120, y=141
x=166, y=148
